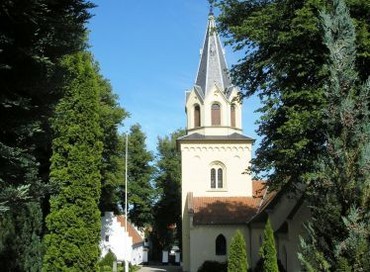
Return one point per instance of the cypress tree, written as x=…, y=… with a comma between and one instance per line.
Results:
x=72, y=243
x=268, y=250
x=339, y=192
x=237, y=257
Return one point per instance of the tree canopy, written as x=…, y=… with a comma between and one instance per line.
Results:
x=285, y=64
x=140, y=171
x=167, y=178
x=339, y=192
x=74, y=220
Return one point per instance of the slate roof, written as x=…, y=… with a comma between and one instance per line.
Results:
x=212, y=67
x=225, y=210
x=231, y=137
x=132, y=231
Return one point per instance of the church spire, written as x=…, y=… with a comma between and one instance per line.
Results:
x=212, y=68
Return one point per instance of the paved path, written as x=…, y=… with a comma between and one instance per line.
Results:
x=165, y=268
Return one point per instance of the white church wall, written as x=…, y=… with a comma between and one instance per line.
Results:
x=203, y=243
x=196, y=164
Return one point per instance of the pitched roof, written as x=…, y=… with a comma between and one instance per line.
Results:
x=225, y=210
x=212, y=67
x=132, y=231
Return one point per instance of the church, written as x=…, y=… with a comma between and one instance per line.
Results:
x=219, y=196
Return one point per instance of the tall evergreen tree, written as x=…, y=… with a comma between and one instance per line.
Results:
x=237, y=257
x=140, y=171
x=339, y=193
x=34, y=35
x=167, y=210
x=284, y=63
x=72, y=243
x=268, y=250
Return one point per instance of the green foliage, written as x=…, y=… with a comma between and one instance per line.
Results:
x=20, y=246
x=34, y=35
x=268, y=250
x=140, y=170
x=167, y=210
x=213, y=266
x=339, y=191
x=112, y=169
x=108, y=260
x=285, y=63
x=74, y=220
x=237, y=257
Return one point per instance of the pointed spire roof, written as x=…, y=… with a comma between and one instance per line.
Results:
x=212, y=67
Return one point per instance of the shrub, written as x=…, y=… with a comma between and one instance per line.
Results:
x=213, y=266
x=237, y=260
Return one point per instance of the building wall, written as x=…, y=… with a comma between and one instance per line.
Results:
x=203, y=243
x=197, y=159
x=117, y=240
x=287, y=243
x=214, y=96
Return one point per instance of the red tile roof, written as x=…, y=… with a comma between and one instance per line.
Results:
x=132, y=231
x=226, y=210
x=223, y=210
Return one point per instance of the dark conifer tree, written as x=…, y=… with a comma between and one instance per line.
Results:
x=339, y=193
x=34, y=36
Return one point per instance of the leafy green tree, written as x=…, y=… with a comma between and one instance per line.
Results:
x=167, y=210
x=140, y=171
x=112, y=169
x=267, y=251
x=339, y=192
x=237, y=257
x=285, y=64
x=72, y=243
x=34, y=36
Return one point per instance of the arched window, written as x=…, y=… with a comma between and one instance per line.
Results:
x=217, y=176
x=216, y=114
x=220, y=245
x=196, y=116
x=232, y=115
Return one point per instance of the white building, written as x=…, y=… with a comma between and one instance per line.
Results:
x=125, y=244
x=218, y=196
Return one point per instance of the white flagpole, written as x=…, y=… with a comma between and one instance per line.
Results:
x=126, y=215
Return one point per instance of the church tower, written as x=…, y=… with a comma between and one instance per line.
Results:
x=217, y=194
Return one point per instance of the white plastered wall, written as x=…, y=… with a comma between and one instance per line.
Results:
x=203, y=243
x=214, y=96
x=196, y=164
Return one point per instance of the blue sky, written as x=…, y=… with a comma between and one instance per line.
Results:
x=149, y=50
